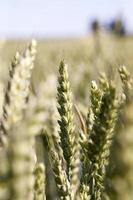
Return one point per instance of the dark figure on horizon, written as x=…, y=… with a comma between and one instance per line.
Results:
x=117, y=27
x=95, y=26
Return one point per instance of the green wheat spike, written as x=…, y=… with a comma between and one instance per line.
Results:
x=100, y=141
x=94, y=110
x=65, y=111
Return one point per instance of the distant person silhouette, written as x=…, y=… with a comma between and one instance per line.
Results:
x=117, y=26
x=95, y=26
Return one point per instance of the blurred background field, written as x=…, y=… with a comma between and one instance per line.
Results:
x=84, y=61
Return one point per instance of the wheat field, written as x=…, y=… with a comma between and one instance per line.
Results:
x=66, y=119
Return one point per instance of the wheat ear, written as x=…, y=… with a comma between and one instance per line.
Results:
x=17, y=90
x=100, y=140
x=65, y=111
x=69, y=137
x=95, y=98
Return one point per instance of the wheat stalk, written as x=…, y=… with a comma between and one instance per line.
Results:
x=21, y=163
x=39, y=187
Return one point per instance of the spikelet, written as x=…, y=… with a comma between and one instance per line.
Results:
x=39, y=187
x=84, y=193
x=103, y=82
x=17, y=90
x=127, y=83
x=96, y=96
